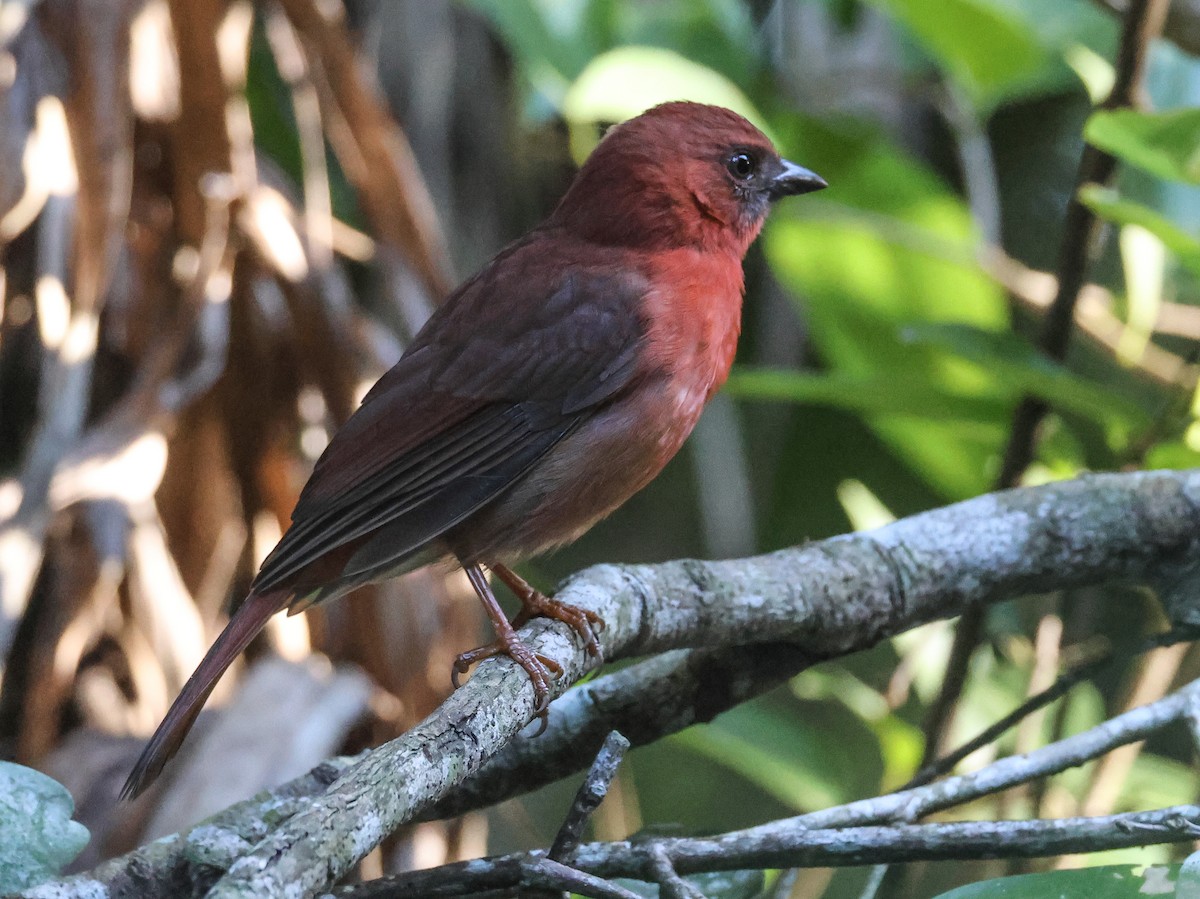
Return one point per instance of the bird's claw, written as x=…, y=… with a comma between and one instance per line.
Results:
x=583, y=621
x=541, y=669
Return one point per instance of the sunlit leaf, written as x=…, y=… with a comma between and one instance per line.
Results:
x=891, y=245
x=1166, y=144
x=1109, y=204
x=1173, y=454
x=888, y=395
x=1020, y=365
x=791, y=755
x=621, y=83
x=857, y=289
x=714, y=33
x=1144, y=258
x=982, y=46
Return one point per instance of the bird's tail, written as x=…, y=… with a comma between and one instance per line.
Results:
x=246, y=622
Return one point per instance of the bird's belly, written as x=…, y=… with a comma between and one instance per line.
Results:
x=584, y=478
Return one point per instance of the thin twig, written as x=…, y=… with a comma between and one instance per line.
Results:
x=1143, y=22
x=1182, y=26
x=591, y=793
x=523, y=875
x=773, y=846
x=1061, y=686
x=915, y=803
x=671, y=885
x=1153, y=678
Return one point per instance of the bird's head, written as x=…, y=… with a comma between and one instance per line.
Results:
x=680, y=174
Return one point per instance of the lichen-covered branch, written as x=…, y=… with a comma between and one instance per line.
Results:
x=654, y=859
x=822, y=600
x=188, y=862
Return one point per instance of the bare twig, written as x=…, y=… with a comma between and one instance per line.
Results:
x=1061, y=686
x=828, y=598
x=791, y=845
x=671, y=885
x=913, y=804
x=1182, y=26
x=1154, y=676
x=591, y=793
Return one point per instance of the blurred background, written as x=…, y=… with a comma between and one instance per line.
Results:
x=220, y=221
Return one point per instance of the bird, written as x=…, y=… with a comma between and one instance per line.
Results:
x=539, y=396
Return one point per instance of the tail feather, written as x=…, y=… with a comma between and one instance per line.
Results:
x=245, y=624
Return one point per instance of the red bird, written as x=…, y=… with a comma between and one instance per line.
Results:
x=547, y=390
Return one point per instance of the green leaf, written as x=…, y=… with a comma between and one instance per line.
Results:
x=1108, y=882
x=1166, y=144
x=890, y=246
x=985, y=48
x=1110, y=205
x=1018, y=364
x=875, y=395
x=857, y=290
x=1175, y=454
x=787, y=751
x=621, y=83
x=37, y=836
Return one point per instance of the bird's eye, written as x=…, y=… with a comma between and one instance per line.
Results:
x=740, y=165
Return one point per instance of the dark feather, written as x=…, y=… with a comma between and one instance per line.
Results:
x=246, y=622
x=487, y=389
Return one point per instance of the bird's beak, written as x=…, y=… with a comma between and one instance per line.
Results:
x=793, y=180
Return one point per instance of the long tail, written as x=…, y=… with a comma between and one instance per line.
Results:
x=246, y=622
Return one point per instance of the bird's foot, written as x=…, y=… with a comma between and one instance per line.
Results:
x=541, y=669
x=535, y=603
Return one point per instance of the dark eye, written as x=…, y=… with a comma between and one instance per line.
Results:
x=741, y=166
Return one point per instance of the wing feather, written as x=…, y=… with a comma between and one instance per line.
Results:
x=485, y=391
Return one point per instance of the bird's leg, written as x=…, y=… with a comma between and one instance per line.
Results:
x=534, y=603
x=539, y=668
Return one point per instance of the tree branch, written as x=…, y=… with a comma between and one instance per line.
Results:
x=825, y=599
x=795, y=846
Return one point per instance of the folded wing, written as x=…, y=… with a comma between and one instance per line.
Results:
x=503, y=372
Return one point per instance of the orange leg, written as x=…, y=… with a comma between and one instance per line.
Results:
x=539, y=668
x=533, y=603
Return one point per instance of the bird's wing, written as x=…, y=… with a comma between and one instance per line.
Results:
x=504, y=371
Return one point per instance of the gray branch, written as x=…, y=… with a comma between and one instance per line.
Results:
x=187, y=863
x=663, y=860
x=853, y=820
x=823, y=600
